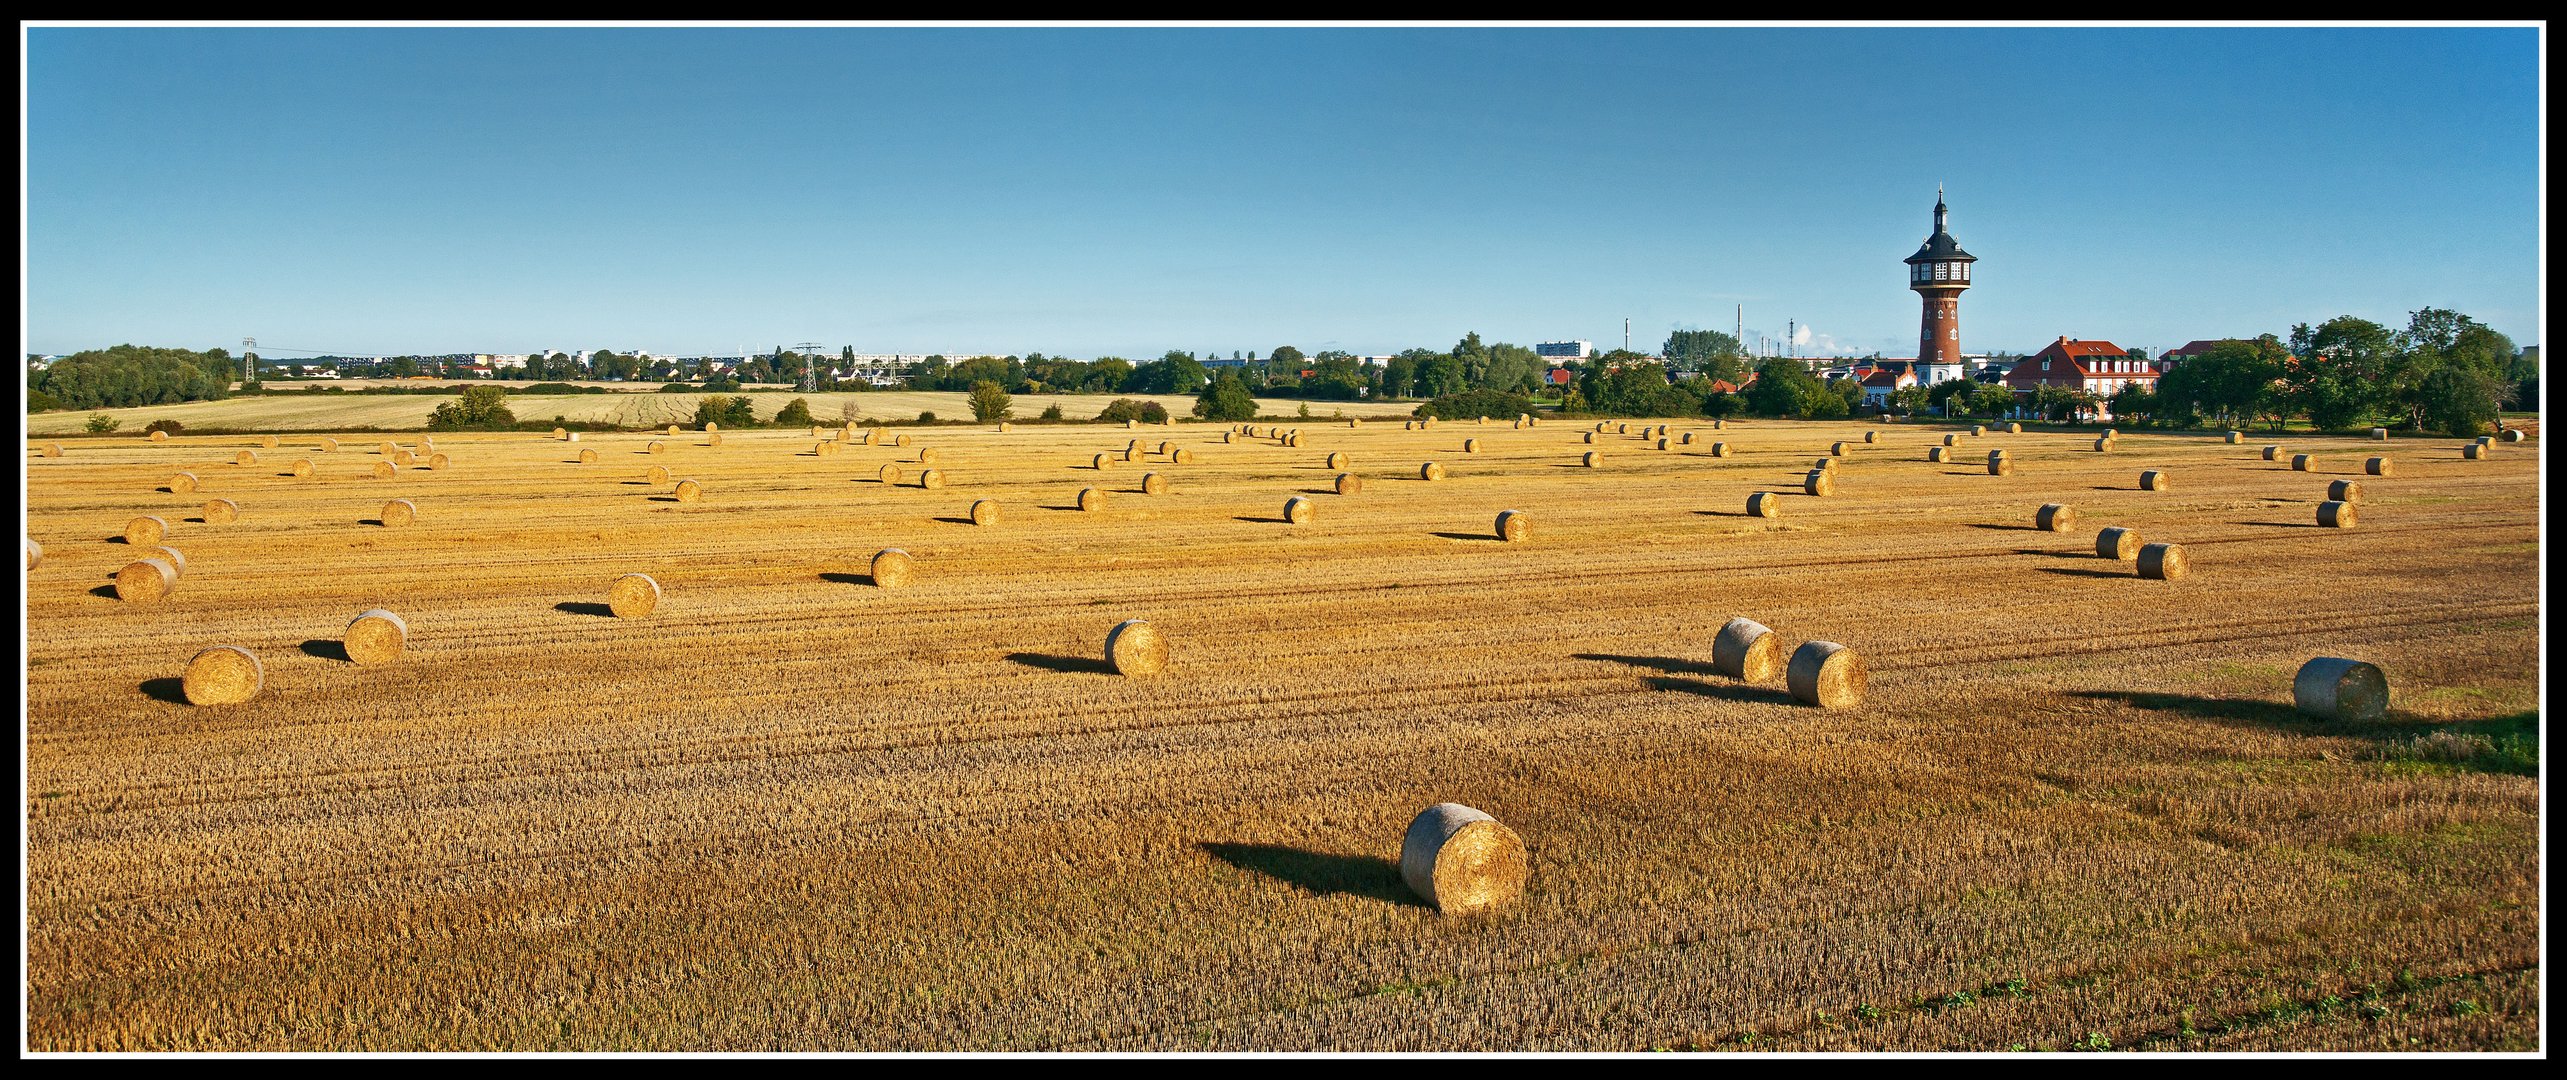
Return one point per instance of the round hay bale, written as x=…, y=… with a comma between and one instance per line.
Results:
x=267, y=442
x=2118, y=543
x=2339, y=689
x=1592, y=458
x=2344, y=490
x=2303, y=463
x=1091, y=498
x=2378, y=466
x=1871, y=436
x=1131, y=448
x=688, y=491
x=632, y=596
x=1432, y=470
x=1826, y=674
x=222, y=675
x=1297, y=510
x=398, y=512
x=2473, y=451
x=2014, y=429
x=1938, y=454
x=823, y=449
x=1461, y=860
x=1977, y=430
x=182, y=484
x=2103, y=445
x=2336, y=514
x=2511, y=435
x=245, y=457
x=928, y=455
x=930, y=480
x=176, y=560
x=1511, y=525
x=984, y=512
x=1600, y=426
x=1764, y=504
x=1745, y=649
x=586, y=457
x=1153, y=484
x=1135, y=648
x=888, y=474
x=1484, y=421
x=1470, y=446
x=221, y=512
x=1293, y=440
x=1663, y=444
x=301, y=467
x=385, y=470
x=1588, y=438
x=1999, y=464
x=657, y=447
x=1166, y=448
x=1519, y=424
x=1349, y=484
x=1719, y=425
x=1686, y=439
x=1825, y=464
x=2236, y=437
x=2272, y=453
x=160, y=436
x=1129, y=425
x=387, y=448
x=2054, y=517
x=892, y=568
x=144, y=581
x=53, y=449
x=1350, y=422
x=1836, y=449
x=2153, y=480
x=1951, y=440
x=900, y=440
x=35, y=551
x=145, y=531
x=1339, y=460
x=438, y=461
x=673, y=429
x=1720, y=449
x=1229, y=437
x=375, y=637
x=2486, y=440
x=713, y=440
x=1004, y=427
x=1102, y=462
x=1818, y=482
x=1182, y=457
x=657, y=475
x=2380, y=433
x=1622, y=429
x=560, y=433
x=2163, y=562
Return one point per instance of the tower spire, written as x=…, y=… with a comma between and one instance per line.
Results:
x=1938, y=209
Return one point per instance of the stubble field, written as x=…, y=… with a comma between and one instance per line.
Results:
x=793, y=810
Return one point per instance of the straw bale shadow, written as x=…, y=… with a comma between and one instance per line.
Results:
x=583, y=607
x=1073, y=665
x=104, y=592
x=850, y=579
x=664, y=498
x=2054, y=554
x=2004, y=528
x=1320, y=873
x=2284, y=524
x=1673, y=665
x=326, y=649
x=1261, y=520
x=2070, y=571
x=1468, y=536
x=1731, y=691
x=173, y=691
x=954, y=520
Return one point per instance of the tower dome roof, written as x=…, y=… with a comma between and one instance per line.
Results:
x=1940, y=247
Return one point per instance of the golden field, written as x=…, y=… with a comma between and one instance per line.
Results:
x=791, y=810
x=323, y=412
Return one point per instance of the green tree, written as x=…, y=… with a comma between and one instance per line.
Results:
x=478, y=408
x=101, y=423
x=1909, y=400
x=989, y=402
x=2341, y=377
x=1716, y=355
x=1286, y=358
x=2459, y=399
x=729, y=412
x=2134, y=403
x=2232, y=381
x=1993, y=399
x=1399, y=374
x=129, y=375
x=795, y=413
x=1784, y=387
x=1439, y=375
x=1225, y=399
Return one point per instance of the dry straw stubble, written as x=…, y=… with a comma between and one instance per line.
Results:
x=1462, y=860
x=222, y=675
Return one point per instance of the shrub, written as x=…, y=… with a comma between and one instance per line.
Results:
x=101, y=423
x=796, y=413
x=1224, y=398
x=1473, y=404
x=1054, y=411
x=676, y=388
x=480, y=408
x=1122, y=409
x=989, y=402
x=1154, y=413
x=729, y=412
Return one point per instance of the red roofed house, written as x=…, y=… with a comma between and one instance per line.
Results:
x=1560, y=376
x=1881, y=378
x=2100, y=368
x=2167, y=360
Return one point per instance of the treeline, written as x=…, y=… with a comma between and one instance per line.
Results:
x=129, y=375
x=2445, y=372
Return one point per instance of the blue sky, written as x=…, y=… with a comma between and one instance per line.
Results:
x=1127, y=191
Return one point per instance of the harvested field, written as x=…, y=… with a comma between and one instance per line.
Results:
x=2073, y=807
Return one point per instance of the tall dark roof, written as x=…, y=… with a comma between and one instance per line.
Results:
x=1940, y=247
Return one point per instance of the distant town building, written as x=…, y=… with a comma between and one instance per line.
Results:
x=1938, y=272
x=1565, y=350
x=2167, y=360
x=2100, y=368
